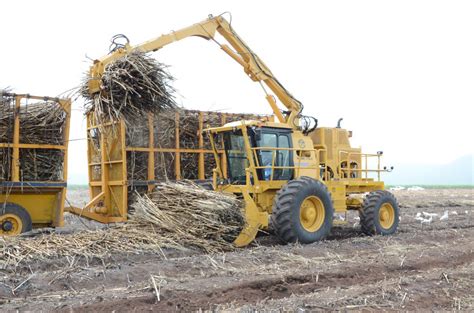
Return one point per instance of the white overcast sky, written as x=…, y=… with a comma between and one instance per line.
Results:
x=400, y=73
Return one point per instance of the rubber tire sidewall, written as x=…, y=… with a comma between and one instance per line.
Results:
x=387, y=199
x=21, y=212
x=312, y=188
x=384, y=197
x=305, y=236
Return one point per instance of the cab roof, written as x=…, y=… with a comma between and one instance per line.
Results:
x=247, y=123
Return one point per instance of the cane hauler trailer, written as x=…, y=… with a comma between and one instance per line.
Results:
x=34, y=134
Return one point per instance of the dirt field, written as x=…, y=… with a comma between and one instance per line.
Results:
x=425, y=266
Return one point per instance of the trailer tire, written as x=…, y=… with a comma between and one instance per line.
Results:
x=14, y=219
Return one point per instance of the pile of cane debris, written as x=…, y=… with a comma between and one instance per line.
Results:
x=179, y=216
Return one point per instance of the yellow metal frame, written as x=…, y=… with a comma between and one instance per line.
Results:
x=44, y=201
x=107, y=155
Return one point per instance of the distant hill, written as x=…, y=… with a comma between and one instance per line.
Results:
x=458, y=172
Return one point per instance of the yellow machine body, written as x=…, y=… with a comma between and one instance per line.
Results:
x=43, y=200
x=322, y=155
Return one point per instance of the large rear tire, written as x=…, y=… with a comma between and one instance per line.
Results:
x=379, y=214
x=302, y=211
x=14, y=219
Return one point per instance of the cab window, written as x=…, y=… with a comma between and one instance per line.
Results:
x=282, y=158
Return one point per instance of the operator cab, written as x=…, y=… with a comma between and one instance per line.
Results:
x=270, y=148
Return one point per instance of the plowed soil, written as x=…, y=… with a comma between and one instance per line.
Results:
x=424, y=266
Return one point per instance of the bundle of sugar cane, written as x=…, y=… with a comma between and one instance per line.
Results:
x=40, y=123
x=130, y=87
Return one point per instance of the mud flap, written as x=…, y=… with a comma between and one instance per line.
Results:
x=254, y=220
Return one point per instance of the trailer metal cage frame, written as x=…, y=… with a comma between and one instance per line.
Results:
x=43, y=200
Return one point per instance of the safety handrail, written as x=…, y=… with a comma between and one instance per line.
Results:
x=363, y=169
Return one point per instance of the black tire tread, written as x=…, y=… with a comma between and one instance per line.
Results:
x=282, y=207
x=369, y=211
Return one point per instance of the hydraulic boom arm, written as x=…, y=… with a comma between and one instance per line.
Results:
x=240, y=52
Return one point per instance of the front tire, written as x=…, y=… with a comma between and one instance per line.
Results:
x=302, y=211
x=379, y=214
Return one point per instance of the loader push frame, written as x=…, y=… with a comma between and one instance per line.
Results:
x=26, y=204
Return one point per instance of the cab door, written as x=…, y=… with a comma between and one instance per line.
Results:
x=281, y=158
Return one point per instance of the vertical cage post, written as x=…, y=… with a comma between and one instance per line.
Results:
x=201, y=170
x=151, y=153
x=16, y=142
x=177, y=158
x=59, y=214
x=224, y=157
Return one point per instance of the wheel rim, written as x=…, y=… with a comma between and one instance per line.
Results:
x=312, y=214
x=10, y=224
x=386, y=215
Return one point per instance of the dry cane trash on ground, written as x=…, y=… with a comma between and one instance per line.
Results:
x=175, y=215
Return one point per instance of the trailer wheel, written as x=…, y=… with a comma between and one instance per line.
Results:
x=379, y=214
x=14, y=220
x=302, y=211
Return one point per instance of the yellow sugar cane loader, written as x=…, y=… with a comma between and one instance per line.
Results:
x=290, y=173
